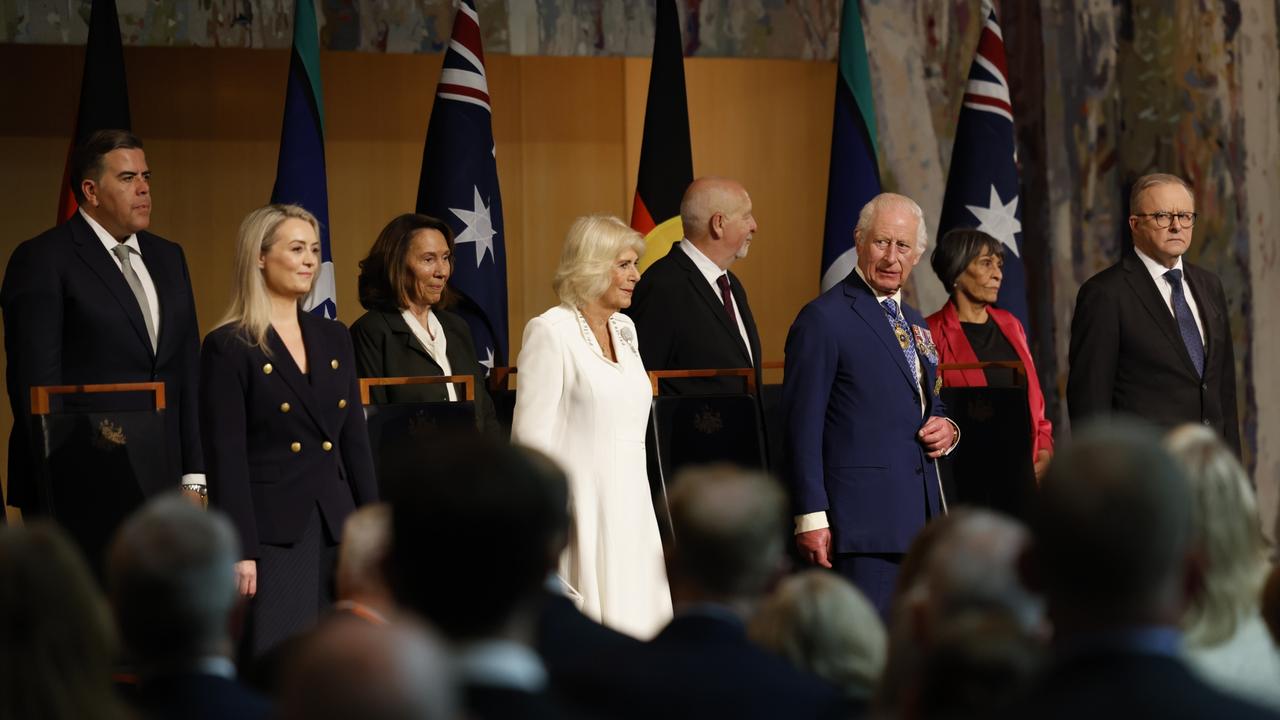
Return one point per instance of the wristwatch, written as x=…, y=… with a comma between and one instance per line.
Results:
x=197, y=488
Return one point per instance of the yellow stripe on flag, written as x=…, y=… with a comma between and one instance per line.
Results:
x=660, y=239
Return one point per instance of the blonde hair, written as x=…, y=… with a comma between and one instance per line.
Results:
x=823, y=625
x=250, y=307
x=594, y=242
x=1227, y=528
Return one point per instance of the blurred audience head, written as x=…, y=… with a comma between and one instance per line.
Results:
x=729, y=526
x=1112, y=532
x=477, y=525
x=57, y=642
x=366, y=537
x=592, y=246
x=716, y=216
x=172, y=581
x=824, y=625
x=370, y=672
x=388, y=280
x=962, y=565
x=981, y=659
x=1224, y=519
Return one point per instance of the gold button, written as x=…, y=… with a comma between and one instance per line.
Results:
x=296, y=447
x=285, y=407
x=333, y=364
x=267, y=368
x=326, y=445
x=342, y=404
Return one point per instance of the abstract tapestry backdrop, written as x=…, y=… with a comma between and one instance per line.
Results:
x=1102, y=93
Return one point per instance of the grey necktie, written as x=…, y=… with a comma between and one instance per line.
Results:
x=130, y=276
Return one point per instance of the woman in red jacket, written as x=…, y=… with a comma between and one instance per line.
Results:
x=970, y=329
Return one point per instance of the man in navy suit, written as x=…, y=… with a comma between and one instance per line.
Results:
x=100, y=300
x=864, y=422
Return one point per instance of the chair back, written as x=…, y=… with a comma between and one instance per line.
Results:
x=398, y=429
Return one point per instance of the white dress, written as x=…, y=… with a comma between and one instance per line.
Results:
x=590, y=414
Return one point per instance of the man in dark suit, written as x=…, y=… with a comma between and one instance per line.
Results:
x=100, y=300
x=173, y=589
x=730, y=530
x=1117, y=583
x=509, y=506
x=864, y=422
x=1151, y=336
x=690, y=311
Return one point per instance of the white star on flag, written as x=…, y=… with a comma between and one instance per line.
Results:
x=479, y=228
x=488, y=361
x=999, y=220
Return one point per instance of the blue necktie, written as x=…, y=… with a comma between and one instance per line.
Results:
x=1186, y=321
x=903, y=333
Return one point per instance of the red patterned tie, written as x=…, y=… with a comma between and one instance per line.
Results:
x=727, y=297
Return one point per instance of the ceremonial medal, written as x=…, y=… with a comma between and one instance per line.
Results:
x=903, y=339
x=924, y=344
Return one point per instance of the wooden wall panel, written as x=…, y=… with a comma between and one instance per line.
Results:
x=567, y=132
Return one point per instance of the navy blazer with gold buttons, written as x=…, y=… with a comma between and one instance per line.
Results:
x=279, y=442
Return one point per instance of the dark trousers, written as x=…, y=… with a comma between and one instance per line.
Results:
x=295, y=585
x=875, y=575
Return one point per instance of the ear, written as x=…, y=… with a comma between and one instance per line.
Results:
x=262, y=261
x=717, y=225
x=1133, y=222
x=89, y=189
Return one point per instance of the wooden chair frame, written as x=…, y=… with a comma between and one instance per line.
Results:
x=468, y=382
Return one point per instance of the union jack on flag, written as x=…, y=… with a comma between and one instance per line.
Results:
x=459, y=185
x=982, y=184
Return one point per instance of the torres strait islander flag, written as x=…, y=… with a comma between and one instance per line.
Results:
x=982, y=183
x=666, y=155
x=300, y=169
x=104, y=95
x=459, y=185
x=853, y=177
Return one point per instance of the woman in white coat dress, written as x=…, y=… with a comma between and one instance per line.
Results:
x=583, y=398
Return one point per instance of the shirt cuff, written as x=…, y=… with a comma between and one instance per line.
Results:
x=957, y=441
x=193, y=479
x=811, y=521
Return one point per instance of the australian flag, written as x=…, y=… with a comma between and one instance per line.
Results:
x=459, y=185
x=982, y=184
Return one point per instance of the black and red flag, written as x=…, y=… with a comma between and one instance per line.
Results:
x=104, y=95
x=666, y=155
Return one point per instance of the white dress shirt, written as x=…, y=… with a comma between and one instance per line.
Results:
x=1166, y=288
x=135, y=259
x=712, y=273
x=148, y=289
x=433, y=342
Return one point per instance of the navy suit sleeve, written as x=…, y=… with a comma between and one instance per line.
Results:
x=192, y=452
x=810, y=370
x=224, y=428
x=357, y=458
x=1094, y=353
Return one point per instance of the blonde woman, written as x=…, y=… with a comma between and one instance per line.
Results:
x=287, y=453
x=823, y=625
x=583, y=398
x=1226, y=638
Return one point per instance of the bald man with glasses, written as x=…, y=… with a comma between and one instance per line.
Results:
x=1151, y=336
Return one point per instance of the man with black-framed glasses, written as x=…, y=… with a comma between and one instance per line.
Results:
x=1151, y=336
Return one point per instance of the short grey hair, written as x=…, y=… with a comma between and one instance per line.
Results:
x=1150, y=180
x=171, y=573
x=883, y=201
x=593, y=244
x=366, y=538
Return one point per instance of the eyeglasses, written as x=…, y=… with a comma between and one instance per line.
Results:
x=1165, y=219
x=902, y=247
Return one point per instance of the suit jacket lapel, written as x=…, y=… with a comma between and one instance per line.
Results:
x=703, y=290
x=748, y=322
x=401, y=330
x=1144, y=287
x=305, y=391
x=864, y=304
x=90, y=250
